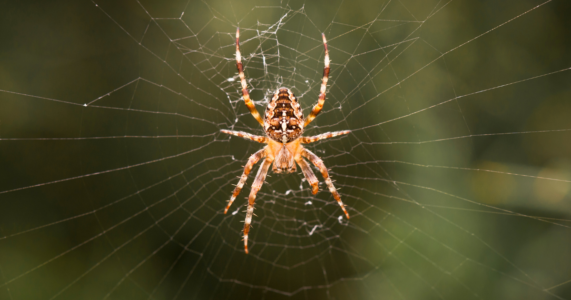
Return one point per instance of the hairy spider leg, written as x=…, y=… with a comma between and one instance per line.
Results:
x=315, y=138
x=254, y=158
x=319, y=164
x=317, y=108
x=258, y=182
x=309, y=175
x=242, y=134
x=245, y=93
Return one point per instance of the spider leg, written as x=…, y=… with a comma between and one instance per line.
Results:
x=254, y=158
x=317, y=108
x=319, y=163
x=315, y=138
x=258, y=182
x=309, y=175
x=245, y=93
x=242, y=134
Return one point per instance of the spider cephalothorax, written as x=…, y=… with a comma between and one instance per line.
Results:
x=283, y=125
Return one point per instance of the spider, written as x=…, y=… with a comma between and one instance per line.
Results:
x=283, y=125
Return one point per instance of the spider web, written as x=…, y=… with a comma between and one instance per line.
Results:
x=115, y=173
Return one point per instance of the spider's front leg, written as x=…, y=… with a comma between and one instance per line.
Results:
x=258, y=182
x=309, y=175
x=319, y=164
x=249, y=165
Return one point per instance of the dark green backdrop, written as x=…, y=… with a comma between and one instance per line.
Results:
x=113, y=172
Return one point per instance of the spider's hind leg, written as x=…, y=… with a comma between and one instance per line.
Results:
x=243, y=82
x=321, y=100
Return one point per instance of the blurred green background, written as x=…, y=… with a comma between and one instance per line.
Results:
x=457, y=173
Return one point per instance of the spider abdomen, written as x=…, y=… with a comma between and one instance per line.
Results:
x=284, y=117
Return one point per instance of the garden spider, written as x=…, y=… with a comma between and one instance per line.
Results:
x=283, y=125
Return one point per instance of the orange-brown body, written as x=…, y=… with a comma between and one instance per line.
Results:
x=283, y=124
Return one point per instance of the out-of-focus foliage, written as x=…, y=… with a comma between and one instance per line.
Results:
x=457, y=174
